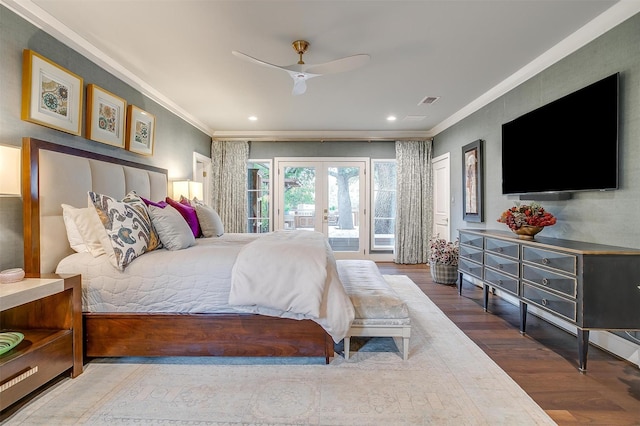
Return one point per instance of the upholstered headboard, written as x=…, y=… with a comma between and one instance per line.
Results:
x=55, y=174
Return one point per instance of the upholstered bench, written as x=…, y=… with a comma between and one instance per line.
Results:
x=379, y=312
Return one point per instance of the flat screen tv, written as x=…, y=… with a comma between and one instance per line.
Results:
x=568, y=145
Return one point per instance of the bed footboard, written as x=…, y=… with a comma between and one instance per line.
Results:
x=249, y=335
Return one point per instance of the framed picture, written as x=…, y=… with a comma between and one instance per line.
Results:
x=472, y=172
x=105, y=116
x=141, y=127
x=51, y=95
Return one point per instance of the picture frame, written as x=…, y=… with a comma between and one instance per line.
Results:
x=106, y=116
x=472, y=182
x=51, y=95
x=141, y=128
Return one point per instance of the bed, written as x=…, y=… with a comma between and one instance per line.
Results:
x=161, y=326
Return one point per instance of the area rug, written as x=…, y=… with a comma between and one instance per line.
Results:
x=447, y=380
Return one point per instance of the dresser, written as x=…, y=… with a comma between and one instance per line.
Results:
x=592, y=286
x=48, y=312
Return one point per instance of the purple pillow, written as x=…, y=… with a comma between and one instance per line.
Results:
x=159, y=204
x=188, y=213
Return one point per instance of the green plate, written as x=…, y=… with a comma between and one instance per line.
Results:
x=9, y=340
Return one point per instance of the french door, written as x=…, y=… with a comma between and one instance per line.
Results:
x=328, y=196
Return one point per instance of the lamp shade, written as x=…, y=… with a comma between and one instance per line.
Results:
x=9, y=171
x=188, y=188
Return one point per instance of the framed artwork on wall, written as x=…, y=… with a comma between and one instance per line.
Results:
x=472, y=173
x=141, y=127
x=51, y=95
x=105, y=116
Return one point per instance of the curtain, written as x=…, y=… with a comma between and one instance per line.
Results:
x=229, y=183
x=414, y=211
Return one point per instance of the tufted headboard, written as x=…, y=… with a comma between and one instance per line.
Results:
x=54, y=174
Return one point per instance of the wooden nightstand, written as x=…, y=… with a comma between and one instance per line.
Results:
x=48, y=311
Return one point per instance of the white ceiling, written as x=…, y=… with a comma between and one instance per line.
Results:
x=465, y=52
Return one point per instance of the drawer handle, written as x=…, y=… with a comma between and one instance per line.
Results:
x=545, y=281
x=544, y=302
x=500, y=266
x=9, y=383
x=546, y=261
x=499, y=281
x=499, y=250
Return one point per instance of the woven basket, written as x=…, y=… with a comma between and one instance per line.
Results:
x=444, y=274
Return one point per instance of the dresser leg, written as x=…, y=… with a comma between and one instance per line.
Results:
x=459, y=284
x=485, y=295
x=583, y=348
x=523, y=317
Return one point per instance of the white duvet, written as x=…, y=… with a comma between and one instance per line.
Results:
x=198, y=280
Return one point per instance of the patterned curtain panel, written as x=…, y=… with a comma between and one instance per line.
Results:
x=229, y=183
x=414, y=215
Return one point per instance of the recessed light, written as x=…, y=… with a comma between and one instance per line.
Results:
x=253, y=118
x=391, y=118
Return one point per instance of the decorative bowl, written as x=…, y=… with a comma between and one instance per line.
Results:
x=527, y=232
x=9, y=340
x=11, y=275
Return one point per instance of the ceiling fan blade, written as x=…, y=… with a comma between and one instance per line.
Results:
x=300, y=81
x=299, y=87
x=339, y=65
x=255, y=60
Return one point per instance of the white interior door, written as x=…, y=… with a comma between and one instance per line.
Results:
x=201, y=167
x=441, y=196
x=327, y=196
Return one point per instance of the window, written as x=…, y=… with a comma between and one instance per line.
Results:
x=259, y=196
x=383, y=205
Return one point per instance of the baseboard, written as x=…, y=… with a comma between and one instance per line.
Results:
x=603, y=339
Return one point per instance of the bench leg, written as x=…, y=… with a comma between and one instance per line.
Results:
x=347, y=344
x=405, y=348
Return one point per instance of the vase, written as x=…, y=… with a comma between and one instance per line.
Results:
x=527, y=232
x=443, y=274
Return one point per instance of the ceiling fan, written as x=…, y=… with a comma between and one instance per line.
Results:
x=301, y=72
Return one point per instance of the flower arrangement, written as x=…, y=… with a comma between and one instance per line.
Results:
x=527, y=215
x=443, y=252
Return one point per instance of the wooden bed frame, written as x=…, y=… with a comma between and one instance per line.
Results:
x=166, y=334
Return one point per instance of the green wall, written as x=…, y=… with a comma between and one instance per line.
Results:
x=599, y=217
x=175, y=139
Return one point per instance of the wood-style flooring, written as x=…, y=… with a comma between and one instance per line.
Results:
x=543, y=361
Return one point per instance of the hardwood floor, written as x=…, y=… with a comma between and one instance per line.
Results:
x=544, y=361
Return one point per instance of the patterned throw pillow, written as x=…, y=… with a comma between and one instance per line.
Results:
x=130, y=232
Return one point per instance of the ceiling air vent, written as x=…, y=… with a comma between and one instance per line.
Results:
x=428, y=100
x=414, y=118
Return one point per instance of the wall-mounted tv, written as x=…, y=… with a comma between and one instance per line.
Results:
x=568, y=145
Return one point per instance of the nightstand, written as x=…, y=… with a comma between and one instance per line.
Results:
x=48, y=311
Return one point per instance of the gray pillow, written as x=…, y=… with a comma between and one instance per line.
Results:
x=210, y=222
x=174, y=231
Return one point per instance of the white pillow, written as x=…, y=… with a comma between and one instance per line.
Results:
x=210, y=222
x=84, y=229
x=73, y=235
x=174, y=231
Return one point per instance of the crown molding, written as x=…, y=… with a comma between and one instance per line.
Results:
x=335, y=135
x=609, y=19
x=44, y=21
x=612, y=17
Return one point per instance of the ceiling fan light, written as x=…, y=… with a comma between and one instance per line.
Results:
x=391, y=118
